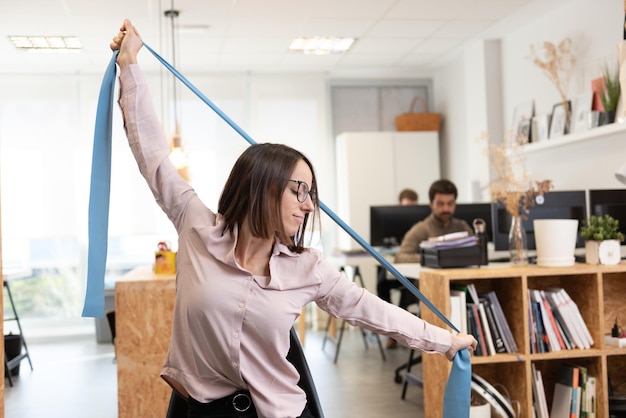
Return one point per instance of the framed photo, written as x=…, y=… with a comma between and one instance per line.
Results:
x=580, y=115
x=559, y=123
x=523, y=111
x=539, y=127
x=523, y=135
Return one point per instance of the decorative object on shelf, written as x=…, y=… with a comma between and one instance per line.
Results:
x=560, y=122
x=555, y=240
x=515, y=191
x=521, y=122
x=418, y=121
x=539, y=127
x=602, y=240
x=518, y=242
x=610, y=91
x=580, y=115
x=557, y=63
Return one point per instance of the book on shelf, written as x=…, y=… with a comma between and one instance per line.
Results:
x=496, y=336
x=548, y=331
x=574, y=377
x=561, y=401
x=541, y=337
x=553, y=322
x=455, y=311
x=532, y=328
x=572, y=322
x=491, y=348
x=477, y=330
x=590, y=397
x=460, y=300
x=577, y=317
x=501, y=322
x=539, y=393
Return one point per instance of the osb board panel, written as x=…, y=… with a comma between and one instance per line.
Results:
x=144, y=312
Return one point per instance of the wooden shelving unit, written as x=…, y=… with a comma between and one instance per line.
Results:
x=597, y=290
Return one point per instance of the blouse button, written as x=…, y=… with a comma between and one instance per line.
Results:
x=234, y=364
x=241, y=305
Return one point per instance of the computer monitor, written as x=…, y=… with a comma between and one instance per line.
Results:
x=555, y=205
x=609, y=202
x=471, y=211
x=388, y=224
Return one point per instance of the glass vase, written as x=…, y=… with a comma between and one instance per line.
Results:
x=518, y=243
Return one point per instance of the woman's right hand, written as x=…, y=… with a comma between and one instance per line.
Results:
x=459, y=342
x=128, y=42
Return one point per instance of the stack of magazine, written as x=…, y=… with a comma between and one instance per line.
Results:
x=453, y=240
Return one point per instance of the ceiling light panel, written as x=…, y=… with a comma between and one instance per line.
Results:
x=321, y=45
x=47, y=43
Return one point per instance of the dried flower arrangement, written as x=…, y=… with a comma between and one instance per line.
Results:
x=514, y=190
x=557, y=62
x=512, y=186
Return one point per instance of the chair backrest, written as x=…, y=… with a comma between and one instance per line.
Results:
x=178, y=405
x=297, y=358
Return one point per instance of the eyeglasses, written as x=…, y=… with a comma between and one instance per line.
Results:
x=303, y=190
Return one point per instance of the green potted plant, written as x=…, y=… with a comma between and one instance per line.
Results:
x=602, y=240
x=609, y=95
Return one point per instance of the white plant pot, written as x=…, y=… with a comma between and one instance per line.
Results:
x=607, y=252
x=555, y=240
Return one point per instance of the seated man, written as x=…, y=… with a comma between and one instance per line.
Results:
x=441, y=221
x=407, y=197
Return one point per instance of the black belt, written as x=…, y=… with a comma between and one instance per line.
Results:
x=239, y=404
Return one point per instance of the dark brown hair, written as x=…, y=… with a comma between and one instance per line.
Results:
x=254, y=190
x=442, y=186
x=409, y=194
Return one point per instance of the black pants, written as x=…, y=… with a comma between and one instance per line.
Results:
x=179, y=407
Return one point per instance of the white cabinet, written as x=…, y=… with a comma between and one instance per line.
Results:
x=372, y=168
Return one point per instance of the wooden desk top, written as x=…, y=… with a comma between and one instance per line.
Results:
x=144, y=273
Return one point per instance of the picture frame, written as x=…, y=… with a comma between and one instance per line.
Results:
x=580, y=115
x=540, y=126
x=523, y=135
x=559, y=124
x=523, y=111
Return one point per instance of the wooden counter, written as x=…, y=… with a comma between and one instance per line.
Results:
x=144, y=305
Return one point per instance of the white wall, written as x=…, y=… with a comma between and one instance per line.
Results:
x=595, y=28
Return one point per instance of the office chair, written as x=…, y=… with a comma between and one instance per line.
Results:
x=111, y=321
x=178, y=405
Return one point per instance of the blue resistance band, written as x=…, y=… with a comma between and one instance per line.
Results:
x=458, y=386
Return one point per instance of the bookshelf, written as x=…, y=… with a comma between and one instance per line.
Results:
x=597, y=290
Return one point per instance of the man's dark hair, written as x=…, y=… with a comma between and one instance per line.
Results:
x=442, y=186
x=409, y=194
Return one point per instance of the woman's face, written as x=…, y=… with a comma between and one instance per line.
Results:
x=293, y=211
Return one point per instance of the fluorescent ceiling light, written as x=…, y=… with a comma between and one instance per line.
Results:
x=47, y=43
x=321, y=45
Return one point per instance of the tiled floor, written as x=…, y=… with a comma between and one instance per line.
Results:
x=75, y=377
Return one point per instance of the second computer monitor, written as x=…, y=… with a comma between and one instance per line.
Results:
x=552, y=205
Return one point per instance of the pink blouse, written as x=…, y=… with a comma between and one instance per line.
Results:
x=230, y=327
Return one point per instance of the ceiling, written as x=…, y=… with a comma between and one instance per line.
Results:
x=396, y=36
